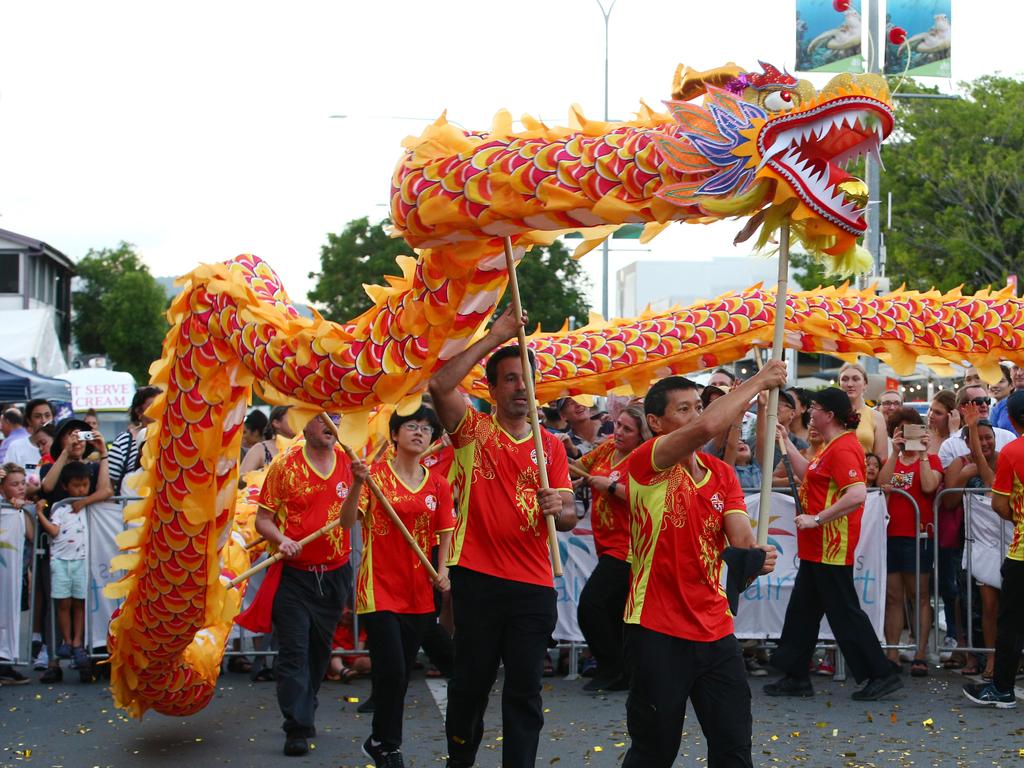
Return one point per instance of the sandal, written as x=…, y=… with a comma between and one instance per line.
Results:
x=239, y=664
x=265, y=675
x=549, y=668
x=956, y=661
x=919, y=668
x=332, y=677
x=971, y=670
x=347, y=674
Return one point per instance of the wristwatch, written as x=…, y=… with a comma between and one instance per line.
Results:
x=611, y=488
x=817, y=520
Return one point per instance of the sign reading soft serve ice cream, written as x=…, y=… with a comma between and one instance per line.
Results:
x=100, y=389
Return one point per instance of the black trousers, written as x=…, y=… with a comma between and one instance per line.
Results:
x=602, y=604
x=307, y=608
x=1010, y=628
x=393, y=640
x=497, y=620
x=667, y=671
x=827, y=590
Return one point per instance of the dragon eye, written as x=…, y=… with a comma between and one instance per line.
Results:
x=779, y=100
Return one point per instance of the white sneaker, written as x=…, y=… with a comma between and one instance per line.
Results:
x=42, y=660
x=949, y=642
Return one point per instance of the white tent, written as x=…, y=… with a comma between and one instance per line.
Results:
x=28, y=337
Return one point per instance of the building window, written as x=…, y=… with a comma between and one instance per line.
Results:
x=10, y=273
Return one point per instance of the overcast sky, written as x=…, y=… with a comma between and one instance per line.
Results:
x=198, y=131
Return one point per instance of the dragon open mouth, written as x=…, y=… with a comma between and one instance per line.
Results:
x=812, y=148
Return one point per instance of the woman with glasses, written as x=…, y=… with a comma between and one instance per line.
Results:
x=394, y=594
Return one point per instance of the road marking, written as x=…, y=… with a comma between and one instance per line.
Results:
x=438, y=688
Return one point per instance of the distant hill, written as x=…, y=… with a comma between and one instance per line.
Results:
x=172, y=290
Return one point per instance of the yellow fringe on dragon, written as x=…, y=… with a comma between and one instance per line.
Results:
x=762, y=145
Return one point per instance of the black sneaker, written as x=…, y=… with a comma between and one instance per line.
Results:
x=988, y=695
x=51, y=675
x=10, y=676
x=799, y=687
x=367, y=707
x=296, y=746
x=381, y=757
x=877, y=687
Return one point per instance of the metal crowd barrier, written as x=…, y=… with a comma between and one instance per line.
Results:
x=968, y=598
x=248, y=639
x=50, y=625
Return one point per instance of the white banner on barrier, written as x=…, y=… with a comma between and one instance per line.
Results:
x=12, y=543
x=988, y=540
x=762, y=609
x=106, y=520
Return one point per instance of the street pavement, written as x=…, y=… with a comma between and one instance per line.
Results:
x=76, y=725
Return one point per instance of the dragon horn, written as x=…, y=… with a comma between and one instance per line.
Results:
x=689, y=83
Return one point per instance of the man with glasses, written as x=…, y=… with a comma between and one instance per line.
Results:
x=888, y=402
x=957, y=445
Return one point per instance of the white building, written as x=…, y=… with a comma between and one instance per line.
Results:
x=36, y=277
x=664, y=284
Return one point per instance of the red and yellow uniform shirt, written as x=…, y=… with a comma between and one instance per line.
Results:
x=609, y=515
x=305, y=501
x=440, y=462
x=907, y=477
x=500, y=530
x=837, y=467
x=391, y=577
x=677, y=535
x=1010, y=482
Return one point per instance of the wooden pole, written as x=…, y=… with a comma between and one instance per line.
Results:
x=772, y=416
x=384, y=502
x=279, y=555
x=531, y=396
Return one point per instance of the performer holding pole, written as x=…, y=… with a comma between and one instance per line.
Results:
x=503, y=593
x=680, y=647
x=303, y=594
x=393, y=590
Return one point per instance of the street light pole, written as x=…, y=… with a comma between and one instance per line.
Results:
x=606, y=12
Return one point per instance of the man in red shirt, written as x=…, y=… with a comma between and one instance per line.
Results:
x=303, y=491
x=680, y=646
x=503, y=594
x=1008, y=503
x=832, y=496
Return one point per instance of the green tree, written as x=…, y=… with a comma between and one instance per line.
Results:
x=552, y=284
x=119, y=309
x=361, y=254
x=955, y=169
x=810, y=274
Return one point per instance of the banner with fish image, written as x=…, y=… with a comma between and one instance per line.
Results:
x=828, y=36
x=918, y=36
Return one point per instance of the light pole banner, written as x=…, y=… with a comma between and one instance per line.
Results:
x=12, y=543
x=918, y=38
x=828, y=36
x=762, y=608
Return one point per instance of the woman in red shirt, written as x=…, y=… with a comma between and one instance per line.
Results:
x=394, y=594
x=603, y=599
x=832, y=494
x=918, y=473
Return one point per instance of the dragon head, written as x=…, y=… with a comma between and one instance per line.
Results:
x=770, y=146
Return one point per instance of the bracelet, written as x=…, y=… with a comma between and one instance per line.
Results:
x=612, y=487
x=104, y=456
